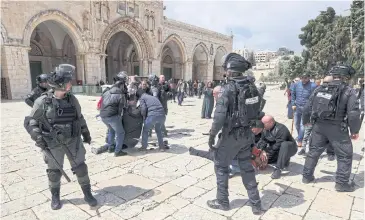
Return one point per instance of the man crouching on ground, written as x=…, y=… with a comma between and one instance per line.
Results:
x=154, y=115
x=277, y=145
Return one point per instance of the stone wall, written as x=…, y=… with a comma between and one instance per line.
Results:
x=89, y=23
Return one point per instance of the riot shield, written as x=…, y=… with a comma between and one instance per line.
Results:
x=133, y=123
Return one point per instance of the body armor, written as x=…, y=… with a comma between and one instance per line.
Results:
x=246, y=107
x=62, y=114
x=326, y=101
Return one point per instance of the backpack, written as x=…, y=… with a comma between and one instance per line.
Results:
x=247, y=103
x=325, y=101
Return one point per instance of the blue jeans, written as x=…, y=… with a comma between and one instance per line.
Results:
x=116, y=131
x=299, y=123
x=180, y=97
x=290, y=110
x=157, y=122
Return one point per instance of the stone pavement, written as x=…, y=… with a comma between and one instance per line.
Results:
x=171, y=185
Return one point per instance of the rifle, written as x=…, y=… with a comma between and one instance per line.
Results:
x=39, y=116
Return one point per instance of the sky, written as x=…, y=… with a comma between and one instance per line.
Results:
x=257, y=25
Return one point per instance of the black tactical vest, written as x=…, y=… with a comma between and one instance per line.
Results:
x=62, y=114
x=246, y=103
x=326, y=101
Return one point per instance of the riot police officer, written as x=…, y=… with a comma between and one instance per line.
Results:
x=37, y=91
x=63, y=112
x=238, y=105
x=334, y=110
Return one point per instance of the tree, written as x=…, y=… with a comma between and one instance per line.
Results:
x=330, y=39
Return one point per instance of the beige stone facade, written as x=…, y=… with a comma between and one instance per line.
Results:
x=102, y=38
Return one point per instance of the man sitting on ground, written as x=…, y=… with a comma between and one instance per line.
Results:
x=277, y=144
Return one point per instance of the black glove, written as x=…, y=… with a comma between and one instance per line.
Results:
x=211, y=142
x=40, y=142
x=86, y=137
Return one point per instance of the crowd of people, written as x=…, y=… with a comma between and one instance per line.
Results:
x=248, y=139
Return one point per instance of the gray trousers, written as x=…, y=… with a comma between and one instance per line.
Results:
x=77, y=153
x=322, y=134
x=228, y=147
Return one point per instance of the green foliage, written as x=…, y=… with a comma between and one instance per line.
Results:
x=291, y=67
x=330, y=39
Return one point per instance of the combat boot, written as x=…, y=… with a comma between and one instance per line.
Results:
x=345, y=187
x=256, y=209
x=56, y=202
x=216, y=204
x=88, y=197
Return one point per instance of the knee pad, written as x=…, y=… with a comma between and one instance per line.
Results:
x=54, y=175
x=80, y=170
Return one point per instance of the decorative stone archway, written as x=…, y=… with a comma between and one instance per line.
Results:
x=200, y=63
x=218, y=69
x=139, y=36
x=173, y=57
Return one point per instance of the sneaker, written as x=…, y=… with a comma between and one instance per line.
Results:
x=215, y=204
x=331, y=157
x=345, y=187
x=276, y=174
x=120, y=153
x=302, y=152
x=307, y=180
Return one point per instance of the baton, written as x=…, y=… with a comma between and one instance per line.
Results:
x=50, y=155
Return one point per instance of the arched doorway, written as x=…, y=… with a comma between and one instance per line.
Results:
x=218, y=69
x=122, y=55
x=172, y=59
x=50, y=45
x=200, y=63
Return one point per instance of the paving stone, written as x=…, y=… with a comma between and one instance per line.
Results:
x=22, y=215
x=128, y=186
x=10, y=178
x=336, y=204
x=158, y=174
x=158, y=156
x=134, y=207
x=177, y=202
x=32, y=172
x=196, y=212
x=4, y=196
x=208, y=183
x=108, y=174
x=203, y=172
x=191, y=193
x=312, y=214
x=355, y=215
x=279, y=214
x=303, y=191
x=158, y=213
x=107, y=215
x=164, y=192
x=11, y=166
x=184, y=181
x=105, y=200
x=358, y=205
x=236, y=202
x=293, y=204
x=22, y=204
x=277, y=186
x=69, y=211
x=31, y=186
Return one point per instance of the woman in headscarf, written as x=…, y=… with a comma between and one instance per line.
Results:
x=208, y=102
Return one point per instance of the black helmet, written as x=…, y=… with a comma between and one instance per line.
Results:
x=42, y=78
x=235, y=62
x=342, y=71
x=153, y=79
x=121, y=77
x=61, y=76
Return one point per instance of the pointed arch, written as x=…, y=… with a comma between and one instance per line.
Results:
x=180, y=43
x=205, y=49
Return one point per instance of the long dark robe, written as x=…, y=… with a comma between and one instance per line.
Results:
x=208, y=103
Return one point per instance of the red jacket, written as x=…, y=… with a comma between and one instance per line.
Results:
x=98, y=106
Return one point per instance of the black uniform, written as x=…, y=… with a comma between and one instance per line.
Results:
x=37, y=91
x=334, y=109
x=233, y=114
